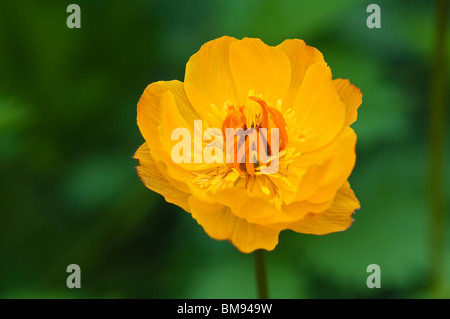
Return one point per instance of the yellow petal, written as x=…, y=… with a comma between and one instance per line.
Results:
x=247, y=202
x=208, y=80
x=319, y=112
x=301, y=57
x=219, y=223
x=261, y=68
x=326, y=169
x=337, y=218
x=339, y=169
x=149, y=108
x=291, y=213
x=351, y=96
x=152, y=176
x=160, y=102
x=171, y=120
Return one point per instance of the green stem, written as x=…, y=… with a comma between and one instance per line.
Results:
x=261, y=276
x=437, y=129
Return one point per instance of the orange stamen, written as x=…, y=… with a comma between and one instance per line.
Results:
x=270, y=118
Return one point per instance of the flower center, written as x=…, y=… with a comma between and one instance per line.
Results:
x=250, y=125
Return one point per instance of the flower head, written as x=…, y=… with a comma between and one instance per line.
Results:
x=285, y=91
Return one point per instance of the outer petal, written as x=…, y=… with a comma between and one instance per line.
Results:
x=259, y=67
x=318, y=110
x=163, y=106
x=325, y=169
x=337, y=218
x=208, y=80
x=247, y=201
x=301, y=57
x=338, y=168
x=171, y=120
x=153, y=178
x=219, y=223
x=149, y=107
x=292, y=213
x=168, y=104
x=351, y=96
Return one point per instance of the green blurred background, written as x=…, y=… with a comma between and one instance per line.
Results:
x=69, y=192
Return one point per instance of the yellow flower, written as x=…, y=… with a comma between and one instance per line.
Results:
x=231, y=83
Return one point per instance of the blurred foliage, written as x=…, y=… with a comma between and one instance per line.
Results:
x=70, y=194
